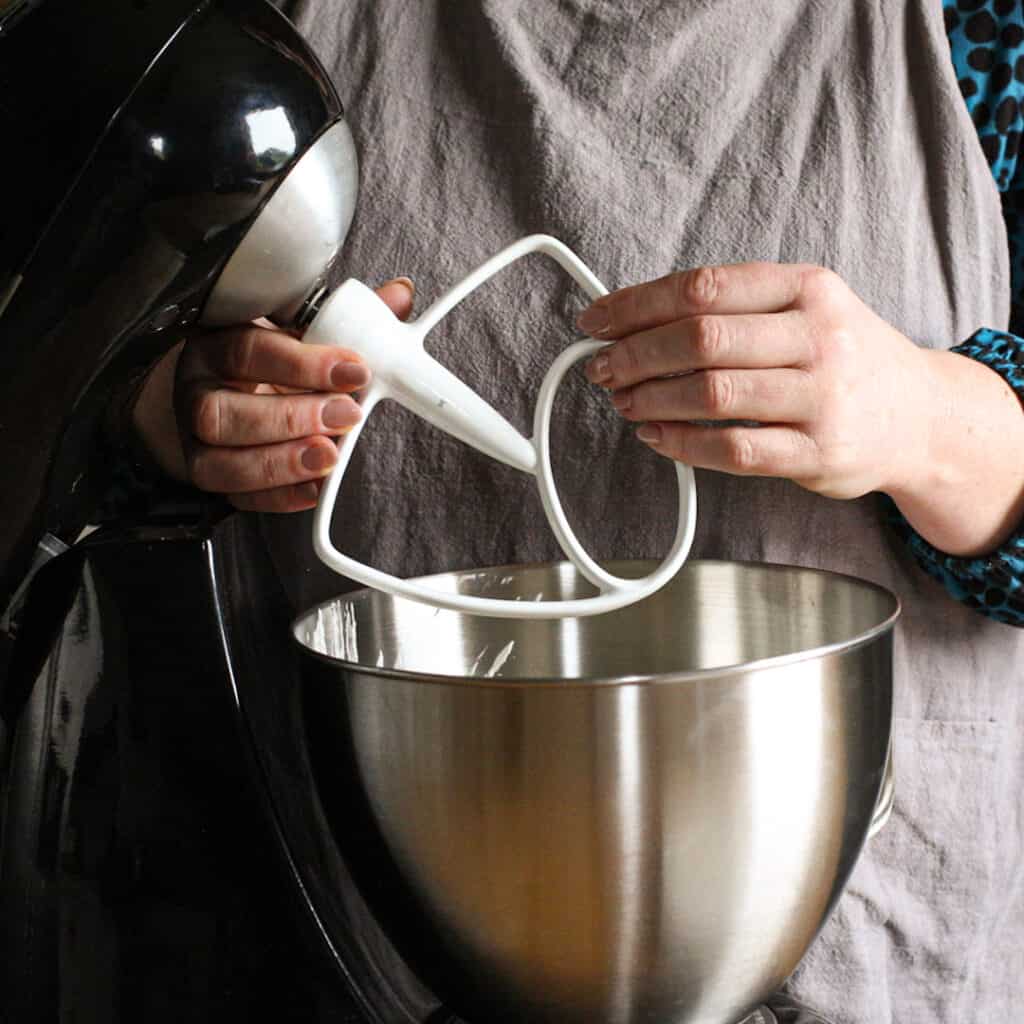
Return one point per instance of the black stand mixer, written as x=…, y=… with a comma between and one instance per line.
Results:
x=176, y=845
x=143, y=875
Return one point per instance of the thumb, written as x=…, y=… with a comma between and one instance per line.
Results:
x=398, y=295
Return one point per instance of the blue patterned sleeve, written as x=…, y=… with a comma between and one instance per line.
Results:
x=986, y=40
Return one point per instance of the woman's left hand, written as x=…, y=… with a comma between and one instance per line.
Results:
x=792, y=348
x=809, y=384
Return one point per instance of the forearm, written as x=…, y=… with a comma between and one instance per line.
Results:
x=965, y=495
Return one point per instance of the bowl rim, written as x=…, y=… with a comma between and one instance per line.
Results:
x=862, y=639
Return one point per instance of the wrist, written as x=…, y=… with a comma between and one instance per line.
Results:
x=911, y=471
x=923, y=464
x=962, y=486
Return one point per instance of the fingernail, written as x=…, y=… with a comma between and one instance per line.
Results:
x=407, y=283
x=650, y=433
x=340, y=412
x=594, y=320
x=622, y=400
x=309, y=491
x=599, y=370
x=319, y=458
x=349, y=376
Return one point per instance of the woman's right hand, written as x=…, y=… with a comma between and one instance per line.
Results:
x=250, y=412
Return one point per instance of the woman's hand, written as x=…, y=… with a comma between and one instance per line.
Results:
x=844, y=403
x=250, y=412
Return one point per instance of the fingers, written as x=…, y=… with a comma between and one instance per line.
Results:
x=226, y=417
x=701, y=342
x=768, y=396
x=253, y=353
x=257, y=354
x=742, y=451
x=256, y=409
x=261, y=467
x=292, y=498
x=738, y=288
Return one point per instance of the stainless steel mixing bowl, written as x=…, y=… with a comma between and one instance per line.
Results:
x=644, y=816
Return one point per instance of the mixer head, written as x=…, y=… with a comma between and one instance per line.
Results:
x=177, y=164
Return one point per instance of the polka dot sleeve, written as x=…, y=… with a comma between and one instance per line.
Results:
x=993, y=584
x=986, y=38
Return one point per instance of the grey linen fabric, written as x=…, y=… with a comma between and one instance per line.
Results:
x=650, y=137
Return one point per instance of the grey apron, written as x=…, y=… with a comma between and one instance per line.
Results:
x=653, y=136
